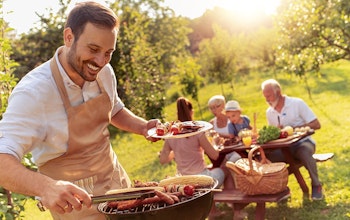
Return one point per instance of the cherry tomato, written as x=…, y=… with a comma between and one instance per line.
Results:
x=174, y=129
x=283, y=134
x=189, y=190
x=160, y=131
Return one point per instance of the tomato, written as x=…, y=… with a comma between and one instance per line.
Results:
x=174, y=129
x=189, y=190
x=283, y=134
x=160, y=131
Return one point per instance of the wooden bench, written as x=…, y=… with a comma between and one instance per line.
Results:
x=237, y=197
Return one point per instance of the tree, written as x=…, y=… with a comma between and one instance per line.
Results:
x=149, y=38
x=186, y=77
x=226, y=20
x=219, y=56
x=312, y=32
x=262, y=48
x=7, y=65
x=41, y=42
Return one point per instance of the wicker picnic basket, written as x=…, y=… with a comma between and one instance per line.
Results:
x=254, y=178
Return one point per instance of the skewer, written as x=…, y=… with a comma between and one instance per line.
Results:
x=214, y=190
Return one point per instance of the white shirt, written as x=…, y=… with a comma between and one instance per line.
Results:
x=295, y=113
x=221, y=131
x=35, y=119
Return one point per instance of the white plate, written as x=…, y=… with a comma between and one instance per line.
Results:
x=206, y=126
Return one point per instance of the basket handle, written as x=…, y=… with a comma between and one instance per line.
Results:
x=251, y=153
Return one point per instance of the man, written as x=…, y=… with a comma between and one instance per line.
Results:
x=60, y=112
x=292, y=111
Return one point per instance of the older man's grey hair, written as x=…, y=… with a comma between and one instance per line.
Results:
x=273, y=83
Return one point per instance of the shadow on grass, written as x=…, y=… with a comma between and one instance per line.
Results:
x=310, y=210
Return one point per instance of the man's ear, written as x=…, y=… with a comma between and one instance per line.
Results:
x=68, y=37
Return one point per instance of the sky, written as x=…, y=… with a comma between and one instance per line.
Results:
x=21, y=13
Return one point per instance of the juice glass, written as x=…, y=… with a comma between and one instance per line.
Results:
x=247, y=141
x=247, y=137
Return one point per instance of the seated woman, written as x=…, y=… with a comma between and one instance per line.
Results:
x=188, y=152
x=220, y=121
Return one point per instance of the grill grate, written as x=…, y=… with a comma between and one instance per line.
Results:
x=104, y=208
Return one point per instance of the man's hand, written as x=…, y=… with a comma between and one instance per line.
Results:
x=151, y=124
x=62, y=197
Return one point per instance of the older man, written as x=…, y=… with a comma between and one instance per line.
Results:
x=283, y=111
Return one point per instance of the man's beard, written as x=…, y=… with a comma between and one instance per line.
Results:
x=274, y=103
x=73, y=61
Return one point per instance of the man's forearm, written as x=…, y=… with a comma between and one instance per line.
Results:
x=128, y=121
x=17, y=178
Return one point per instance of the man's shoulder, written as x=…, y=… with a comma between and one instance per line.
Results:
x=107, y=75
x=37, y=79
x=293, y=99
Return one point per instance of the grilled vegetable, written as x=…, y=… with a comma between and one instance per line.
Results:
x=194, y=180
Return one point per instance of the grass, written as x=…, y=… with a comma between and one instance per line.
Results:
x=330, y=102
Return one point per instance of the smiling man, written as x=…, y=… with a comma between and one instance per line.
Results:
x=60, y=112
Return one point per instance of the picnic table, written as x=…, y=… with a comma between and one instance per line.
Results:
x=283, y=144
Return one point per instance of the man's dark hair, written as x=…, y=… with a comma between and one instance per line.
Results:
x=90, y=12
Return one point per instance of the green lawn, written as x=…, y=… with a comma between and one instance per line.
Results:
x=330, y=101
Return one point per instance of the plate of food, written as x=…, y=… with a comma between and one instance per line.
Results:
x=177, y=129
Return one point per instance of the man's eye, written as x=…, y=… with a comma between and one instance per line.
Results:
x=93, y=50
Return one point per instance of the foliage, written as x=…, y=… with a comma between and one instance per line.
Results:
x=186, y=77
x=203, y=26
x=312, y=32
x=41, y=42
x=221, y=56
x=262, y=48
x=7, y=79
x=150, y=36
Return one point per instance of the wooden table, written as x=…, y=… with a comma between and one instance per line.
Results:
x=284, y=145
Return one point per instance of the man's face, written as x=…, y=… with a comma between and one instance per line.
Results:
x=92, y=51
x=271, y=96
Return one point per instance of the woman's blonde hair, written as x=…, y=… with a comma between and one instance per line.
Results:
x=217, y=100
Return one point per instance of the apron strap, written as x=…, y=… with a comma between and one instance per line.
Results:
x=60, y=85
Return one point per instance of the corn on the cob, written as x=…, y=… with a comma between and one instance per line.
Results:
x=195, y=180
x=134, y=189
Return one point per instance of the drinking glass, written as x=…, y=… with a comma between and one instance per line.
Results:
x=247, y=138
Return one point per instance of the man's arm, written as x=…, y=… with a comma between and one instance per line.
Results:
x=315, y=124
x=55, y=195
x=128, y=121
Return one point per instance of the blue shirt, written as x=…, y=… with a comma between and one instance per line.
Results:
x=236, y=128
